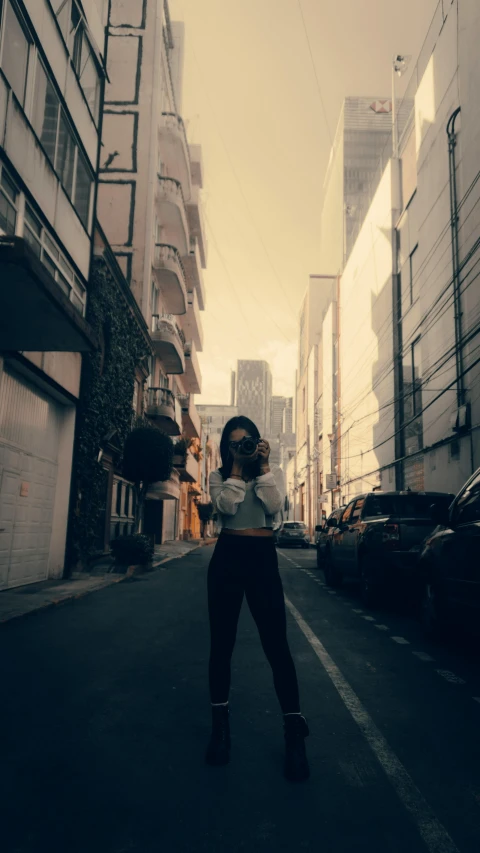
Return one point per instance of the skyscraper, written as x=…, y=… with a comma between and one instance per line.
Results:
x=254, y=393
x=287, y=419
x=360, y=152
x=277, y=408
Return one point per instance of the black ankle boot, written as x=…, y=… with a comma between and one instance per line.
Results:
x=296, y=764
x=218, y=750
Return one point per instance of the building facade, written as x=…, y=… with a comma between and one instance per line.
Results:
x=360, y=151
x=410, y=300
x=150, y=205
x=52, y=74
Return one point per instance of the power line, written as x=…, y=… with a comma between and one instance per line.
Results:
x=247, y=205
x=315, y=73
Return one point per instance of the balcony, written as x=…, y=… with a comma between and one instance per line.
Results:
x=196, y=164
x=187, y=467
x=172, y=215
x=171, y=277
x=190, y=418
x=36, y=314
x=175, y=151
x=165, y=410
x=192, y=322
x=192, y=265
x=195, y=223
x=193, y=377
x=168, y=343
x=165, y=490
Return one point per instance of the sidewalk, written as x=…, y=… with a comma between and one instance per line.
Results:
x=39, y=596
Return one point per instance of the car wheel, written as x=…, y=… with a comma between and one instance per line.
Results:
x=369, y=586
x=333, y=577
x=431, y=620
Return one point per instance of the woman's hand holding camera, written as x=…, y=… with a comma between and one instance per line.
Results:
x=263, y=455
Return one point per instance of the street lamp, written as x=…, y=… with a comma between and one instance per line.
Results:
x=399, y=66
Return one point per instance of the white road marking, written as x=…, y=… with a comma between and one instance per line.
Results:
x=355, y=610
x=450, y=676
x=476, y=699
x=401, y=641
x=331, y=592
x=382, y=627
x=433, y=833
x=369, y=618
x=423, y=656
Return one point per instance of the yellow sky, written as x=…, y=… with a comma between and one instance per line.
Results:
x=251, y=99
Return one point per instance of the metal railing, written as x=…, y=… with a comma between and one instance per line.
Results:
x=180, y=122
x=165, y=252
x=166, y=323
x=158, y=397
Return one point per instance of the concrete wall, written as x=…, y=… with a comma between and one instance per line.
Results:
x=366, y=346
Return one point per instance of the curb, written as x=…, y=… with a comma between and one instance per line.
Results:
x=60, y=601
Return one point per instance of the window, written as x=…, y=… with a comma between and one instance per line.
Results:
x=411, y=505
x=467, y=509
x=72, y=25
x=52, y=258
x=8, y=203
x=58, y=140
x=413, y=275
x=346, y=515
x=358, y=509
x=118, y=508
x=15, y=53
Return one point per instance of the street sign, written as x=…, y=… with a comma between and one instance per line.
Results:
x=331, y=481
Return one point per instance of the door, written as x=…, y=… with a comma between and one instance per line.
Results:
x=460, y=549
x=350, y=540
x=30, y=425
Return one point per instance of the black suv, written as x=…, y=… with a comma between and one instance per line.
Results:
x=323, y=540
x=377, y=540
x=450, y=564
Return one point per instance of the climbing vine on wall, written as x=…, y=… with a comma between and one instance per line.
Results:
x=104, y=412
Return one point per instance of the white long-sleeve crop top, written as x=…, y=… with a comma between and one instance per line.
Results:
x=241, y=505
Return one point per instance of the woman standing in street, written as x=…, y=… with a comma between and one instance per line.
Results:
x=247, y=495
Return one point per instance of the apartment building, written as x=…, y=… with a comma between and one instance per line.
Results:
x=316, y=398
x=52, y=72
x=410, y=300
x=150, y=206
x=254, y=392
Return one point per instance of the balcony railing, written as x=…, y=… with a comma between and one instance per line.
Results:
x=172, y=213
x=173, y=128
x=190, y=418
x=171, y=277
x=193, y=268
x=164, y=409
x=169, y=342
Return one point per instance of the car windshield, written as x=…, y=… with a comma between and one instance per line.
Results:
x=406, y=506
x=295, y=525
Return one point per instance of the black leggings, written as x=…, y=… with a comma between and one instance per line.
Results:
x=248, y=564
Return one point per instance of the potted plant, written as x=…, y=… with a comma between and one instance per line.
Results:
x=147, y=459
x=132, y=553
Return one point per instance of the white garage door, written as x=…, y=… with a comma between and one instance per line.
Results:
x=30, y=423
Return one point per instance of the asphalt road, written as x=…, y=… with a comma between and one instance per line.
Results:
x=104, y=718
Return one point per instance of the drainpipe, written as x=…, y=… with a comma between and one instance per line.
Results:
x=452, y=142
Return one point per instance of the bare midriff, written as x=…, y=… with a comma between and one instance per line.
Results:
x=250, y=531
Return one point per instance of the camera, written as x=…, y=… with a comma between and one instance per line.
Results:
x=246, y=446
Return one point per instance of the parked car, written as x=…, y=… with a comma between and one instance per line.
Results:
x=323, y=541
x=293, y=534
x=450, y=564
x=377, y=540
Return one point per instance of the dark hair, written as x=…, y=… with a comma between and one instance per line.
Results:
x=239, y=422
